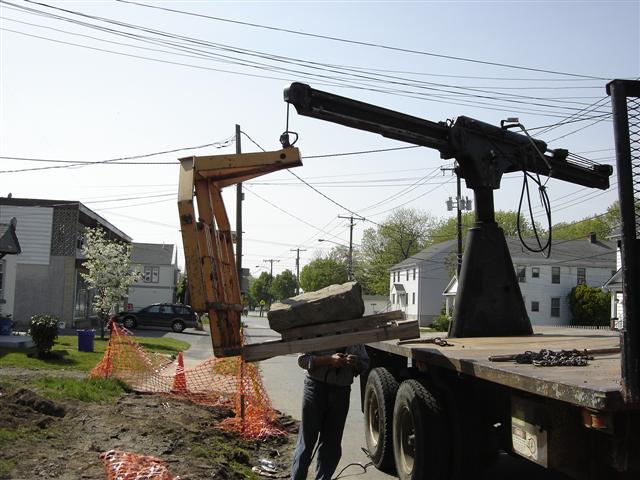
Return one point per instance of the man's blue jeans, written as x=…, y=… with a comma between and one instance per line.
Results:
x=324, y=412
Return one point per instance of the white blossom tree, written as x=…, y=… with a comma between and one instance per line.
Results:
x=109, y=272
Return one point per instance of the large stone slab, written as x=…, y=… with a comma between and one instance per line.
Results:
x=331, y=304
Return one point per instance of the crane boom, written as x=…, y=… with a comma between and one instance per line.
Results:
x=488, y=298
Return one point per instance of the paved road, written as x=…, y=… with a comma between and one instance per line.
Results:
x=283, y=380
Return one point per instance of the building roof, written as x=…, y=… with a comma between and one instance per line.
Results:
x=583, y=252
x=435, y=252
x=85, y=213
x=615, y=282
x=152, y=253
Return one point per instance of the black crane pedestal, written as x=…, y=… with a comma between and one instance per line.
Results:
x=488, y=300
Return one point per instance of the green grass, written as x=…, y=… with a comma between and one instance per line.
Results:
x=6, y=466
x=67, y=355
x=85, y=389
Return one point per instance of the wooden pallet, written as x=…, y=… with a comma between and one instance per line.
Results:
x=334, y=335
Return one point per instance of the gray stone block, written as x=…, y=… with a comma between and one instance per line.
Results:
x=331, y=304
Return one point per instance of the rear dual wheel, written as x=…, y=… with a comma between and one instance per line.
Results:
x=421, y=440
x=379, y=398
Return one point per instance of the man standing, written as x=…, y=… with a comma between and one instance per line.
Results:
x=325, y=405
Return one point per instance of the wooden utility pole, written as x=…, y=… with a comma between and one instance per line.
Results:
x=239, y=198
x=297, y=250
x=350, y=261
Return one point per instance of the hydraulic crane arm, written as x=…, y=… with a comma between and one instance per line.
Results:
x=488, y=298
x=483, y=151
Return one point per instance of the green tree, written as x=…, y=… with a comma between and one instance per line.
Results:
x=601, y=225
x=108, y=272
x=403, y=234
x=322, y=272
x=259, y=288
x=589, y=306
x=283, y=285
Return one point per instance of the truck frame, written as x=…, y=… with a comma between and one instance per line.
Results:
x=443, y=410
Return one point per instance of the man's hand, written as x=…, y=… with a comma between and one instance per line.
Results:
x=339, y=360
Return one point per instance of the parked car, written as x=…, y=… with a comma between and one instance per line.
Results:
x=171, y=315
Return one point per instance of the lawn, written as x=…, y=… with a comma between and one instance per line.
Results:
x=69, y=358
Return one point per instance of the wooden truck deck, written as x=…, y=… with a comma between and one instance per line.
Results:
x=596, y=385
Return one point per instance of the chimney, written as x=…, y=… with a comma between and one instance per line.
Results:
x=592, y=237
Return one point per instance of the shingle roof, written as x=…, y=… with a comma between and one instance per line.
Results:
x=9, y=243
x=601, y=253
x=152, y=253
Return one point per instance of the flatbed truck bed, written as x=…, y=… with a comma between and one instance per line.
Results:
x=445, y=412
x=596, y=385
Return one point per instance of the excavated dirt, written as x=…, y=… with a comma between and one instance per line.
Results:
x=62, y=439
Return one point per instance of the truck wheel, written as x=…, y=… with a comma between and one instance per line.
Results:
x=379, y=397
x=420, y=434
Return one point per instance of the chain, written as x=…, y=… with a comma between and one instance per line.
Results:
x=549, y=358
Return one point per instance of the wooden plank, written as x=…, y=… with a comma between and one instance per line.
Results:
x=262, y=351
x=286, y=158
x=345, y=326
x=188, y=229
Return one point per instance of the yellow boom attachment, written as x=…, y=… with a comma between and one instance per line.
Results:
x=214, y=286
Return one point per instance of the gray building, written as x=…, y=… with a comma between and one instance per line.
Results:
x=157, y=264
x=45, y=277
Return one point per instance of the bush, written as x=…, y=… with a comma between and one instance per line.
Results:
x=589, y=306
x=441, y=324
x=44, y=331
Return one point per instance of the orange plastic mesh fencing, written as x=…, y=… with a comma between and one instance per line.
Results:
x=120, y=465
x=219, y=382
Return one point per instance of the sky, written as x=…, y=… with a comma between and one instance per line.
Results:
x=88, y=81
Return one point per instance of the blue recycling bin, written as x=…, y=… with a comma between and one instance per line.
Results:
x=5, y=326
x=85, y=340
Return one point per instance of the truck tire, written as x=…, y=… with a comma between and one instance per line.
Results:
x=379, y=398
x=420, y=434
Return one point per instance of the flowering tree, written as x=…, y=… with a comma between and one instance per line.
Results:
x=108, y=265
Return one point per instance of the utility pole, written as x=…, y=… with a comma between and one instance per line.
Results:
x=350, y=261
x=461, y=204
x=297, y=250
x=239, y=198
x=270, y=260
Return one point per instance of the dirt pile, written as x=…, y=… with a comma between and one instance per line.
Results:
x=63, y=439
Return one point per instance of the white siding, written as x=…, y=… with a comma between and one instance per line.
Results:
x=33, y=231
x=144, y=293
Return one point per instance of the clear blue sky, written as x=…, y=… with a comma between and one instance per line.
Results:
x=61, y=101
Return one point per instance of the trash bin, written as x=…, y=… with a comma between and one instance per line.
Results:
x=85, y=340
x=5, y=326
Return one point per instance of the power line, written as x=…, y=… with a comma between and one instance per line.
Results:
x=361, y=43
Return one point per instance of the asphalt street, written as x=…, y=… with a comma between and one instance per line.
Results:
x=283, y=380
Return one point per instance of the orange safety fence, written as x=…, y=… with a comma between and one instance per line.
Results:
x=224, y=382
x=120, y=465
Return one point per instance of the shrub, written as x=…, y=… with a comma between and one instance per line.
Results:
x=589, y=306
x=44, y=331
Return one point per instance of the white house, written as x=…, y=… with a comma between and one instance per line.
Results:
x=416, y=284
x=159, y=271
x=614, y=285
x=544, y=282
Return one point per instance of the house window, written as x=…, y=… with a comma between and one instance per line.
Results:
x=394, y=276
x=555, y=274
x=407, y=274
x=413, y=298
x=535, y=306
x=414, y=273
x=535, y=272
x=393, y=298
x=522, y=274
x=582, y=275
x=555, y=307
x=151, y=274
x=1, y=278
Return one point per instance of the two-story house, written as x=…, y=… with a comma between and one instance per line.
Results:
x=45, y=277
x=157, y=284
x=416, y=284
x=544, y=282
